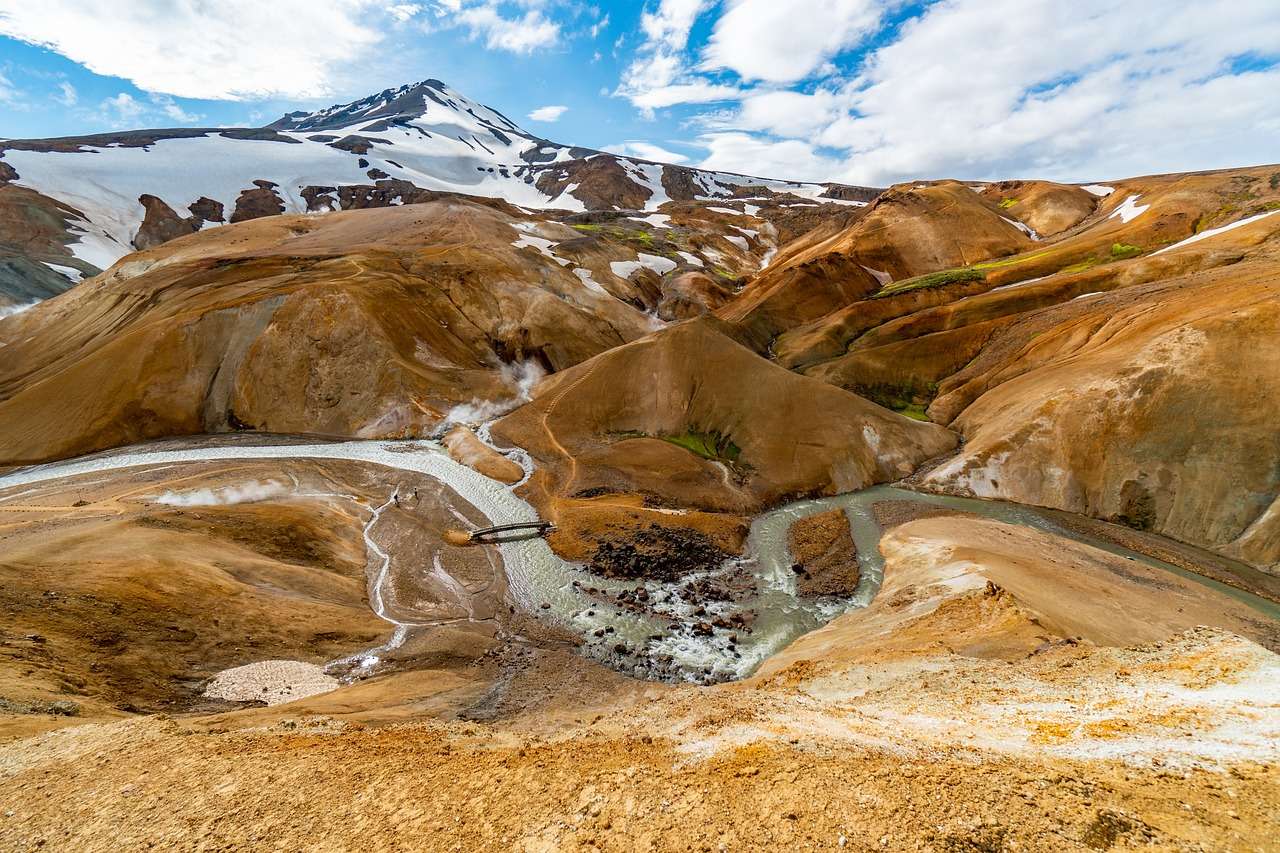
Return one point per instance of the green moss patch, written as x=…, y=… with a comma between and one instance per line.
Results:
x=626, y=235
x=1086, y=264
x=1120, y=251
x=1006, y=203
x=933, y=279
x=708, y=445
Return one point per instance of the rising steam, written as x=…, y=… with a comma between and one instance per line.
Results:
x=244, y=493
x=521, y=377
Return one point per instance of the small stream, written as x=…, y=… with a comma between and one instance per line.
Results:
x=663, y=642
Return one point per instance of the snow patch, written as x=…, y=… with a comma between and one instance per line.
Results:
x=658, y=220
x=1214, y=232
x=879, y=275
x=530, y=239
x=1025, y=229
x=1129, y=210
x=70, y=272
x=660, y=265
x=585, y=275
x=1098, y=189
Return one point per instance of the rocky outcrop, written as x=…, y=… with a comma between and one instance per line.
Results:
x=262, y=200
x=691, y=294
x=598, y=182
x=465, y=447
x=161, y=224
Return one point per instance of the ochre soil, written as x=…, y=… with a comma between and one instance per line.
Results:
x=962, y=710
x=329, y=786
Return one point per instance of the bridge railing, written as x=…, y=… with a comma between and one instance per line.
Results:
x=535, y=528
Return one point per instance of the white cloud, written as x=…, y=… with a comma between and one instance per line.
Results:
x=659, y=76
x=7, y=93
x=600, y=26
x=784, y=113
x=696, y=92
x=522, y=34
x=975, y=89
x=123, y=110
x=174, y=112
x=1090, y=89
x=548, y=113
x=793, y=159
x=785, y=42
x=126, y=111
x=402, y=12
x=69, y=95
x=645, y=151
x=232, y=49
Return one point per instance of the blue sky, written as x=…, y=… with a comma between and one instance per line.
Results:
x=862, y=91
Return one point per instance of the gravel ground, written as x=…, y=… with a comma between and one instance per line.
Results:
x=272, y=681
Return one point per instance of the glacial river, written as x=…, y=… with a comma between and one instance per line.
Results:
x=543, y=584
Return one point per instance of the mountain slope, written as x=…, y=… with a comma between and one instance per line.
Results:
x=136, y=189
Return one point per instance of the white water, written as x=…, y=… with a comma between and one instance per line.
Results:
x=536, y=576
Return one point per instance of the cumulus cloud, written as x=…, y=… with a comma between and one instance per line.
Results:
x=173, y=112
x=782, y=112
x=744, y=153
x=1093, y=89
x=548, y=113
x=785, y=42
x=660, y=75
x=646, y=151
x=245, y=48
x=123, y=109
x=518, y=34
x=981, y=89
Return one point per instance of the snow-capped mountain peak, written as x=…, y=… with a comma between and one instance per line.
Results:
x=135, y=189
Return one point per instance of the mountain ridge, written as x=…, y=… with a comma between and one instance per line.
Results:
x=101, y=196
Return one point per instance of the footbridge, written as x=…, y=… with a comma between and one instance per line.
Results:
x=499, y=532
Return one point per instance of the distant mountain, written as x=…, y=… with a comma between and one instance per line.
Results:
x=72, y=206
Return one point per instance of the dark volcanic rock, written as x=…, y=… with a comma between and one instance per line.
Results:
x=258, y=202
x=207, y=209
x=161, y=224
x=656, y=553
x=357, y=144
